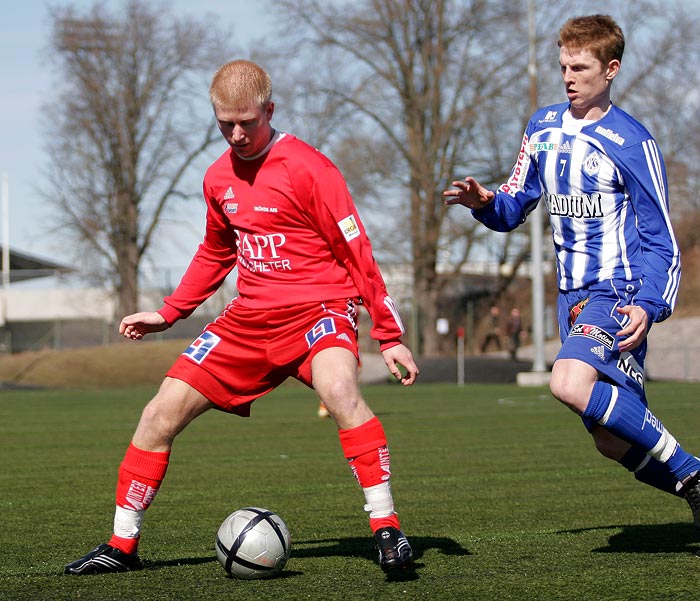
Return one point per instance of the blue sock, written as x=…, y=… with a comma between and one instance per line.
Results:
x=626, y=416
x=648, y=470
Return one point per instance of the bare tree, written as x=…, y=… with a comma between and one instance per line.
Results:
x=407, y=95
x=419, y=88
x=128, y=121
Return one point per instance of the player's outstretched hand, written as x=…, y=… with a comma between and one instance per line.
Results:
x=636, y=330
x=469, y=193
x=136, y=326
x=401, y=355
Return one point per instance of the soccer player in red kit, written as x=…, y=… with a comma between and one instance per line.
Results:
x=280, y=211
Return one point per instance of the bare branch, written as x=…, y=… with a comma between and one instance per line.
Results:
x=127, y=121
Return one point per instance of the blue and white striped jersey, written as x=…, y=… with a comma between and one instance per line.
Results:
x=604, y=185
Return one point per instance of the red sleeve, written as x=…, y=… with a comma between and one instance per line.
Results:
x=213, y=261
x=339, y=223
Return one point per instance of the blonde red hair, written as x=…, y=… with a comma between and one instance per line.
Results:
x=240, y=85
x=599, y=34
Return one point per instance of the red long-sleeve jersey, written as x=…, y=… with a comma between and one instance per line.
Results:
x=287, y=219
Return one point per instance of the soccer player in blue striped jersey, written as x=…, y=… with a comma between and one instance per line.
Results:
x=603, y=181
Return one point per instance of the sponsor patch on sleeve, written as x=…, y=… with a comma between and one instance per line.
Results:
x=349, y=227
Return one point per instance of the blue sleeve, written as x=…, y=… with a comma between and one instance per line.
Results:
x=644, y=173
x=516, y=198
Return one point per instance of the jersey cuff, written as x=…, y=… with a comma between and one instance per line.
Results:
x=169, y=314
x=387, y=344
x=650, y=309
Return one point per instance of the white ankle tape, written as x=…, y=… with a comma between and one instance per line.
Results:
x=380, y=503
x=127, y=522
x=665, y=448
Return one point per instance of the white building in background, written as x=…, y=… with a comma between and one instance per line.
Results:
x=40, y=307
x=46, y=305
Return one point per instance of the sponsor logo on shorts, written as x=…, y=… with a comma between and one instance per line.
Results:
x=200, y=348
x=575, y=310
x=599, y=351
x=595, y=333
x=322, y=328
x=627, y=364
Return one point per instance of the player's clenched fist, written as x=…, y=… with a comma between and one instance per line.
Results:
x=136, y=326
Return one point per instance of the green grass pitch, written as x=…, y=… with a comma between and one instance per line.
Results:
x=498, y=488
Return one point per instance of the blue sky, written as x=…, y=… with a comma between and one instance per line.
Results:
x=26, y=80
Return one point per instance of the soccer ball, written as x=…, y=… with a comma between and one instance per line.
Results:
x=253, y=543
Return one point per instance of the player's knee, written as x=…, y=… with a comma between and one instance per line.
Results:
x=343, y=406
x=158, y=424
x=559, y=385
x=348, y=411
x=566, y=390
x=338, y=390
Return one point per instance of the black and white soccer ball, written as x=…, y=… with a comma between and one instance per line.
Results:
x=253, y=543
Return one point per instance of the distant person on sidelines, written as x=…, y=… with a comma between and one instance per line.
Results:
x=281, y=211
x=603, y=181
x=514, y=330
x=494, y=332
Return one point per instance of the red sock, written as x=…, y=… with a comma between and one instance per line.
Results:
x=366, y=450
x=140, y=476
x=390, y=520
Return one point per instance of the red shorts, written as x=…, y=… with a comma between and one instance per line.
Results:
x=247, y=353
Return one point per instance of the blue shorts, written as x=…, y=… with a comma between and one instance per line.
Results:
x=588, y=324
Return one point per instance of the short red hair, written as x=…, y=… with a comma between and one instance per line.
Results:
x=599, y=34
x=240, y=85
